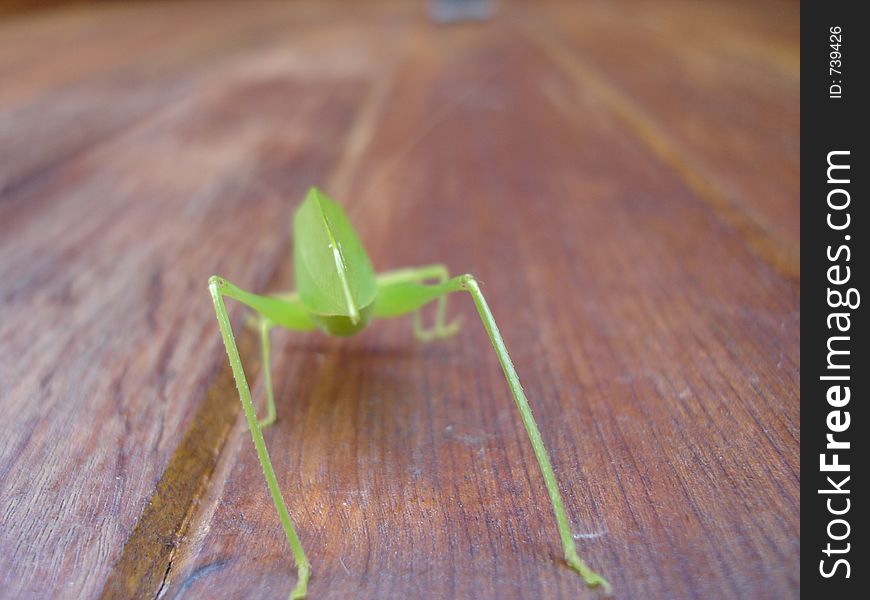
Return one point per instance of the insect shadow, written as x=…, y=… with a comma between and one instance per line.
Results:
x=349, y=396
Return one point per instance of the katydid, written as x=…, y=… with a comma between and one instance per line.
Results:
x=338, y=292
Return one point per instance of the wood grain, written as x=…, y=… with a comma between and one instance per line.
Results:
x=631, y=213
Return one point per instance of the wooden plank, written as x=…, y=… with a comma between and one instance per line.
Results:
x=107, y=326
x=668, y=395
x=713, y=91
x=643, y=278
x=56, y=103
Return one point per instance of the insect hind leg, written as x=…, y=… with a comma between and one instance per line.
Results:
x=277, y=311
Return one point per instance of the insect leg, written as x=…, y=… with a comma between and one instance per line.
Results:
x=263, y=327
x=438, y=273
x=265, y=330
x=469, y=283
x=219, y=287
x=284, y=309
x=403, y=297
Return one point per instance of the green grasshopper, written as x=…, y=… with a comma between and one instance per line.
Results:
x=338, y=292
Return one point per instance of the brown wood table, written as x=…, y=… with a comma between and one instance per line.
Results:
x=623, y=179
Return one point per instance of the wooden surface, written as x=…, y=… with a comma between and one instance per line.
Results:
x=622, y=178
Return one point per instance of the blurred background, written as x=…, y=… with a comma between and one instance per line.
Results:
x=621, y=176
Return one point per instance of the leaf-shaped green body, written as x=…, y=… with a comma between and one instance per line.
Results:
x=334, y=276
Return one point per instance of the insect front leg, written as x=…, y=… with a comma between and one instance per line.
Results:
x=439, y=330
x=439, y=273
x=264, y=328
x=219, y=287
x=293, y=319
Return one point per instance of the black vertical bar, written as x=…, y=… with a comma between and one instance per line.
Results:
x=834, y=225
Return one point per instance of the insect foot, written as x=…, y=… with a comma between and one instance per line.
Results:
x=301, y=589
x=591, y=578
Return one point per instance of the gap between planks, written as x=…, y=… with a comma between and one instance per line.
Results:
x=146, y=560
x=145, y=566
